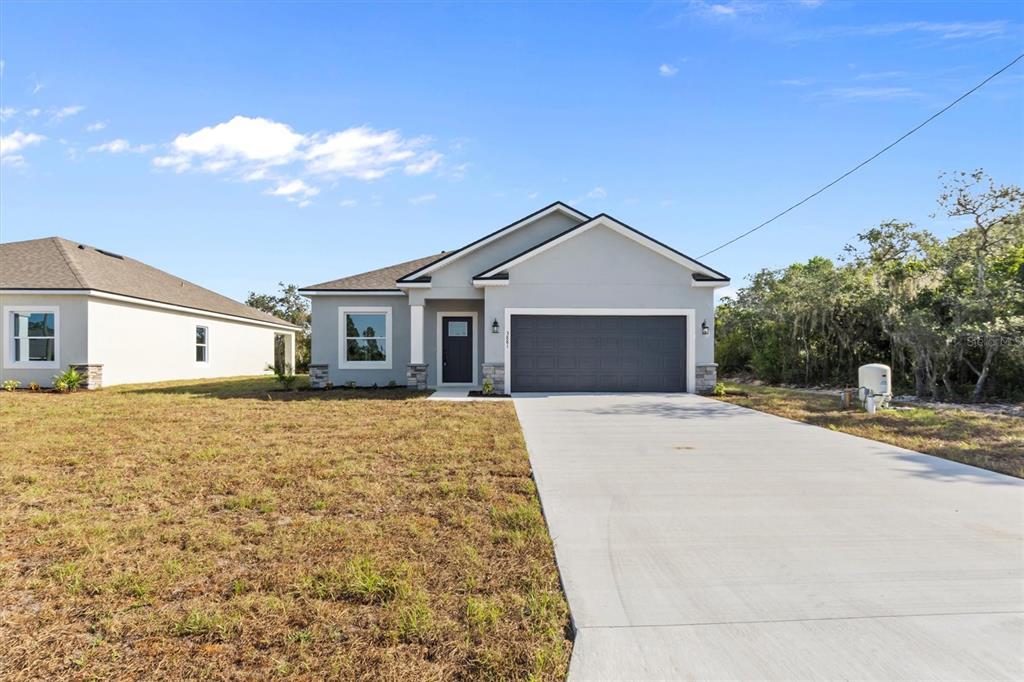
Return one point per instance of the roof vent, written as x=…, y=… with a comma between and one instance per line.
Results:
x=111, y=254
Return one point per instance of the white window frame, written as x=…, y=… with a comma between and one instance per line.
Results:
x=441, y=314
x=343, y=362
x=8, y=331
x=691, y=338
x=206, y=345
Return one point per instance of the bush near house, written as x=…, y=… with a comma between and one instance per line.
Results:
x=223, y=530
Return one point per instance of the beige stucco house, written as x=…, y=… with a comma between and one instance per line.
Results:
x=121, y=321
x=556, y=301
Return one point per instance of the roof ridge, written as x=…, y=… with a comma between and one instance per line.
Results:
x=59, y=241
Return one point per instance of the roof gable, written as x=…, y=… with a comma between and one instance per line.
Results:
x=416, y=275
x=54, y=263
x=701, y=272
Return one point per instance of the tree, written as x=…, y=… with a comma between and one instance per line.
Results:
x=291, y=306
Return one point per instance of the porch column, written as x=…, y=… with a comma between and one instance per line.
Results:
x=416, y=372
x=416, y=334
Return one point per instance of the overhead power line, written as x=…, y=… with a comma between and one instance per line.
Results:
x=866, y=161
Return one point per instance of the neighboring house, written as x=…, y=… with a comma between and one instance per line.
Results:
x=556, y=301
x=121, y=321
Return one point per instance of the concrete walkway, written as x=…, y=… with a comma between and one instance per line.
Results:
x=701, y=540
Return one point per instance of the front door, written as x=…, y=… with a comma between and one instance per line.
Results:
x=457, y=350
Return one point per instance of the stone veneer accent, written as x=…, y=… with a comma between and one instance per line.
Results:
x=318, y=376
x=416, y=377
x=707, y=377
x=93, y=376
x=495, y=371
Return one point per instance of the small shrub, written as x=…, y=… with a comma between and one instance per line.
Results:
x=68, y=381
x=11, y=384
x=350, y=384
x=33, y=386
x=283, y=375
x=392, y=384
x=719, y=390
x=488, y=386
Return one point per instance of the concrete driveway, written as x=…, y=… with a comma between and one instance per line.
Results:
x=701, y=540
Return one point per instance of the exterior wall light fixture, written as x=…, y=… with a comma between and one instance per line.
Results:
x=495, y=328
x=705, y=330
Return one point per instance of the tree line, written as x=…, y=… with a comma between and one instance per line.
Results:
x=946, y=314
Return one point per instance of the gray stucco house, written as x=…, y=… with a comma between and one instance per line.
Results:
x=556, y=301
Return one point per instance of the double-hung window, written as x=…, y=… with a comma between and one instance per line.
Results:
x=32, y=337
x=365, y=338
x=202, y=344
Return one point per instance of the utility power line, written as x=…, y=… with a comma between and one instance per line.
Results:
x=868, y=160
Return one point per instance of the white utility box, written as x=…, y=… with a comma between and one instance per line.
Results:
x=875, y=385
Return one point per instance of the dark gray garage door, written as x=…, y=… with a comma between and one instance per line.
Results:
x=598, y=353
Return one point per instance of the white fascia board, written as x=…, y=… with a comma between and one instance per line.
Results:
x=611, y=223
x=533, y=217
x=147, y=303
x=481, y=283
x=413, y=285
x=716, y=284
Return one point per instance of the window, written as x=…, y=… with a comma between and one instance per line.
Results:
x=365, y=336
x=32, y=337
x=458, y=328
x=202, y=344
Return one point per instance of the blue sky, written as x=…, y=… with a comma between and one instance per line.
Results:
x=239, y=145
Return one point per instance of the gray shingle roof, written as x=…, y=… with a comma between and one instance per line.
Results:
x=382, y=279
x=56, y=263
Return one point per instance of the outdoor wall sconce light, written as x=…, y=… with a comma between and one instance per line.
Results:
x=494, y=326
x=705, y=330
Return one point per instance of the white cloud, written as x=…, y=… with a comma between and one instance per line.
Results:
x=362, y=153
x=96, y=126
x=348, y=203
x=120, y=146
x=293, y=188
x=423, y=198
x=667, y=70
x=11, y=144
x=797, y=82
x=250, y=139
x=597, y=193
x=424, y=164
x=34, y=112
x=7, y=112
x=64, y=112
x=37, y=88
x=532, y=195
x=945, y=30
x=812, y=3
x=252, y=149
x=853, y=94
x=179, y=163
x=722, y=10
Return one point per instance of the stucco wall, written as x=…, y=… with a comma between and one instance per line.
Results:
x=72, y=336
x=455, y=280
x=325, y=337
x=327, y=328
x=137, y=344
x=599, y=269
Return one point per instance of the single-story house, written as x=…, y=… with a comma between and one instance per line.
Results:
x=556, y=301
x=120, y=321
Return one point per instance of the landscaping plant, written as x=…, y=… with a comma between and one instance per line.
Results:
x=11, y=385
x=68, y=381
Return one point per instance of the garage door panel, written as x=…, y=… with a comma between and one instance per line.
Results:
x=598, y=353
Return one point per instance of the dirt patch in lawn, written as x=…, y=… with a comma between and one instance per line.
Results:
x=994, y=442
x=225, y=531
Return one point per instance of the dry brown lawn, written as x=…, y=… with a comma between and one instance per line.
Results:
x=992, y=442
x=223, y=531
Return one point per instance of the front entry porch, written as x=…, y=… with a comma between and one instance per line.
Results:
x=445, y=344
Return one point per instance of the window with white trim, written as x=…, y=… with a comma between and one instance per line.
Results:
x=34, y=336
x=365, y=338
x=202, y=344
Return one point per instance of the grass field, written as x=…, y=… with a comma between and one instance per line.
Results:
x=988, y=441
x=223, y=531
